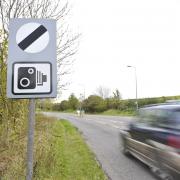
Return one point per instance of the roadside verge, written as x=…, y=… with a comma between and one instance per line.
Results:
x=60, y=153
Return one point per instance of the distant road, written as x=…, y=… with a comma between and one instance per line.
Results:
x=102, y=135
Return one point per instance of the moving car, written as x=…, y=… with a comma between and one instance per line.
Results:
x=154, y=138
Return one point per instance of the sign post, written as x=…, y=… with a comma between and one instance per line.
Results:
x=30, y=143
x=32, y=69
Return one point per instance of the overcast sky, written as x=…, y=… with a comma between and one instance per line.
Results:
x=117, y=33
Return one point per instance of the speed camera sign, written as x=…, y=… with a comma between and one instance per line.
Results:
x=32, y=78
x=32, y=59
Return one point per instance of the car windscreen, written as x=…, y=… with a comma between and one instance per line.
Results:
x=173, y=119
x=168, y=118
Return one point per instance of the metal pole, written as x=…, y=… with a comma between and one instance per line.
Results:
x=136, y=85
x=136, y=88
x=30, y=143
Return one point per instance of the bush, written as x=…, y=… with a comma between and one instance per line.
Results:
x=94, y=103
x=13, y=113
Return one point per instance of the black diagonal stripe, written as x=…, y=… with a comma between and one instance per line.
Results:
x=32, y=37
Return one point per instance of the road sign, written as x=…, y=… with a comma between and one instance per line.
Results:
x=32, y=66
x=32, y=78
x=32, y=37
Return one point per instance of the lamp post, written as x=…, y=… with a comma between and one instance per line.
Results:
x=136, y=83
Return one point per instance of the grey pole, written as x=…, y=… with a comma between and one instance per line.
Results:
x=136, y=88
x=136, y=85
x=30, y=143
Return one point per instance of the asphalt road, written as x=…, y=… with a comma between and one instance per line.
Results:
x=102, y=135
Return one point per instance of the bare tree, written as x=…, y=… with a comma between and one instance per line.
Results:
x=103, y=92
x=117, y=94
x=57, y=9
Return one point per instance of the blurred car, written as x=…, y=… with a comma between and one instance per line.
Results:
x=154, y=138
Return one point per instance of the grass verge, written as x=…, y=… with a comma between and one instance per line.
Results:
x=113, y=112
x=59, y=154
x=110, y=112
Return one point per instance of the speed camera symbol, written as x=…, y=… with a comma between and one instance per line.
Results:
x=29, y=78
x=32, y=78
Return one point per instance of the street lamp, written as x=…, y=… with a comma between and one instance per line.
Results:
x=136, y=83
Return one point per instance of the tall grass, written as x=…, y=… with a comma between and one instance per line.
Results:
x=13, y=115
x=59, y=153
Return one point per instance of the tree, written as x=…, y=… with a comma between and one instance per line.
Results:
x=94, y=103
x=103, y=92
x=64, y=105
x=117, y=94
x=13, y=113
x=56, y=9
x=114, y=102
x=73, y=102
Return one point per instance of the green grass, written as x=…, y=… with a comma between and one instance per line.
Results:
x=110, y=112
x=65, y=111
x=60, y=153
x=113, y=112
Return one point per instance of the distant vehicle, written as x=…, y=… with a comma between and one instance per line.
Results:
x=154, y=138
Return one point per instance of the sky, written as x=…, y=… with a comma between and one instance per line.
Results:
x=116, y=33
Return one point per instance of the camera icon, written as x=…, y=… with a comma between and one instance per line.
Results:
x=30, y=77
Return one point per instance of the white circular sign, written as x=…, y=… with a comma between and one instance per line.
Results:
x=32, y=37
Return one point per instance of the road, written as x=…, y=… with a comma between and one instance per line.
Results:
x=102, y=135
